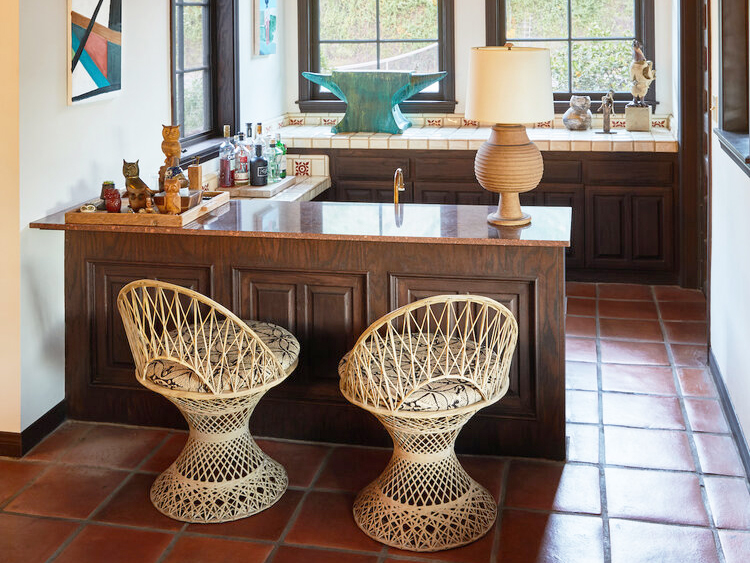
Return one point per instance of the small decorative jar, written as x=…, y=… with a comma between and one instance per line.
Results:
x=578, y=116
x=112, y=199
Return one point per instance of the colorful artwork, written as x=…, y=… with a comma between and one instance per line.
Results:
x=266, y=24
x=95, y=48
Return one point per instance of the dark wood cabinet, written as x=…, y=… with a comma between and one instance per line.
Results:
x=624, y=204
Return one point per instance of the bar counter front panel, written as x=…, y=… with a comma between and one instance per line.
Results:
x=326, y=271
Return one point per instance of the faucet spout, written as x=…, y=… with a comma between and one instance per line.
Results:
x=398, y=184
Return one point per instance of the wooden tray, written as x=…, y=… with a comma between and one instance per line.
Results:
x=267, y=191
x=215, y=199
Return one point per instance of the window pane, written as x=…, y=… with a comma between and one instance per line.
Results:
x=409, y=19
x=194, y=36
x=178, y=38
x=347, y=19
x=419, y=57
x=558, y=60
x=348, y=56
x=537, y=19
x=195, y=103
x=596, y=18
x=601, y=65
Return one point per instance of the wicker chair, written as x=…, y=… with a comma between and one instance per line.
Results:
x=215, y=368
x=423, y=371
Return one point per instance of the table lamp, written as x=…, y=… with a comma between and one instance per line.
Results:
x=509, y=86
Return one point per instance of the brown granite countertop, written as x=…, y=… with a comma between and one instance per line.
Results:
x=415, y=223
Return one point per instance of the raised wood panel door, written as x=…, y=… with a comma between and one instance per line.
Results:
x=517, y=296
x=325, y=311
x=112, y=360
x=570, y=196
x=452, y=194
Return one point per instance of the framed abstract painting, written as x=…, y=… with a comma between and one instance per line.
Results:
x=266, y=26
x=94, y=47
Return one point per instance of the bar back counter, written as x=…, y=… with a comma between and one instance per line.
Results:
x=325, y=271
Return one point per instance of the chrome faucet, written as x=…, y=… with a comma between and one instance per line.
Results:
x=398, y=184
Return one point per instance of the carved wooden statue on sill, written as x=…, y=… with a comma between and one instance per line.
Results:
x=642, y=74
x=372, y=97
x=137, y=189
x=172, y=150
x=172, y=200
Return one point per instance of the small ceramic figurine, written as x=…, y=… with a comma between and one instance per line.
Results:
x=172, y=150
x=642, y=74
x=137, y=188
x=112, y=199
x=608, y=109
x=578, y=116
x=172, y=200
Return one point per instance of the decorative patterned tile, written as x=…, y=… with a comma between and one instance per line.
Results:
x=302, y=167
x=434, y=122
x=544, y=125
x=330, y=121
x=471, y=123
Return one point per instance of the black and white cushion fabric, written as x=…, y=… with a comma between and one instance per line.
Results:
x=173, y=375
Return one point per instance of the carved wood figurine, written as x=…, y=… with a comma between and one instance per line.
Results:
x=137, y=189
x=172, y=150
x=172, y=200
x=642, y=74
x=608, y=109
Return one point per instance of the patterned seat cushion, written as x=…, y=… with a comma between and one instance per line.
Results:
x=428, y=362
x=173, y=375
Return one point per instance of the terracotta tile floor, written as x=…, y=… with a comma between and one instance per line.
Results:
x=652, y=473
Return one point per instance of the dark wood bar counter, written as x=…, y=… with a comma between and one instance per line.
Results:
x=326, y=271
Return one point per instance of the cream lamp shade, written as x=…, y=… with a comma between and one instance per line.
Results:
x=509, y=85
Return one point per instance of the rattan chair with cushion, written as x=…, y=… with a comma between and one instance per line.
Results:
x=215, y=368
x=423, y=371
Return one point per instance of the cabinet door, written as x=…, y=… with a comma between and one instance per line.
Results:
x=371, y=191
x=569, y=196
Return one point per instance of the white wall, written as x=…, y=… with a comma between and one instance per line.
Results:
x=65, y=154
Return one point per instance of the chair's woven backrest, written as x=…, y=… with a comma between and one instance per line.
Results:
x=457, y=337
x=168, y=322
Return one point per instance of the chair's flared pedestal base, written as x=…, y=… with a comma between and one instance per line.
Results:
x=424, y=500
x=221, y=474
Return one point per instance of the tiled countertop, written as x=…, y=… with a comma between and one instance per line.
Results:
x=471, y=138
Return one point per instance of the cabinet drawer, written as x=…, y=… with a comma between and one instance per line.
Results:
x=629, y=172
x=371, y=191
x=451, y=168
x=366, y=167
x=562, y=171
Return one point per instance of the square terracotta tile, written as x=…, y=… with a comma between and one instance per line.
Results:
x=640, y=353
x=290, y=554
x=625, y=291
x=648, y=380
x=326, y=520
x=628, y=310
x=96, y=544
x=675, y=293
x=580, y=349
x=485, y=470
x=166, y=454
x=628, y=329
x=267, y=525
x=706, y=415
x=546, y=486
x=479, y=551
x=527, y=537
x=642, y=411
x=14, y=475
x=730, y=502
x=684, y=332
x=696, y=383
x=718, y=455
x=736, y=546
x=301, y=461
x=351, y=469
x=682, y=311
x=656, y=496
x=67, y=491
x=578, y=289
x=690, y=355
x=583, y=442
x=645, y=542
x=581, y=307
x=31, y=540
x=132, y=506
x=114, y=446
x=580, y=326
x=654, y=449
x=582, y=406
x=59, y=441
x=581, y=375
x=190, y=549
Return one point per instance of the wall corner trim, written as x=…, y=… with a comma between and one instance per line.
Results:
x=17, y=444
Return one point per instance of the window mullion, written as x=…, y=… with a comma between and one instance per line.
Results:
x=377, y=32
x=570, y=46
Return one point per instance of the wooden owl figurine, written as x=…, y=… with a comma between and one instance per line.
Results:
x=170, y=146
x=172, y=200
x=137, y=189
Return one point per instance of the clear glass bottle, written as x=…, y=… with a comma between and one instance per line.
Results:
x=226, y=160
x=259, y=167
x=242, y=158
x=281, y=154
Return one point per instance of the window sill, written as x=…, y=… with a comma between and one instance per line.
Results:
x=415, y=106
x=737, y=146
x=203, y=150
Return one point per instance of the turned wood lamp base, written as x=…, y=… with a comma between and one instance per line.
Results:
x=508, y=163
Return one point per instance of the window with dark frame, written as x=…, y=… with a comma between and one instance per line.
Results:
x=377, y=34
x=590, y=41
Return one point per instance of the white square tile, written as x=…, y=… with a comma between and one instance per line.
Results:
x=398, y=142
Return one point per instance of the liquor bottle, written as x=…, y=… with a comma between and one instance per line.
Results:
x=259, y=167
x=226, y=161
x=281, y=152
x=242, y=161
